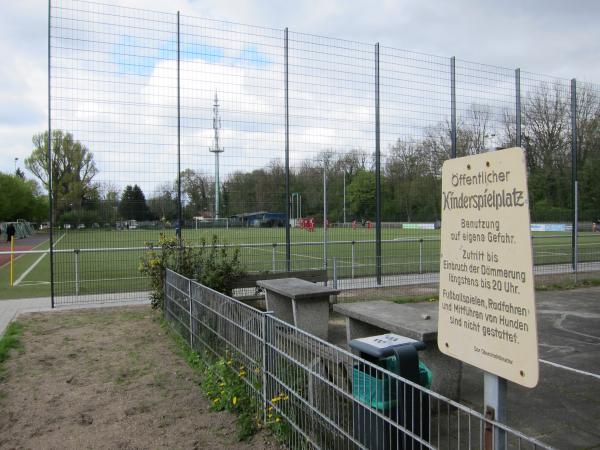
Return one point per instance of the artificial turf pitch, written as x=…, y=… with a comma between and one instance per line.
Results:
x=108, y=260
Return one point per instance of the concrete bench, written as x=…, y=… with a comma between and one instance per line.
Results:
x=378, y=317
x=300, y=303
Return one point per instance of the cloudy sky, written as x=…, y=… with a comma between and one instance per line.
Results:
x=551, y=37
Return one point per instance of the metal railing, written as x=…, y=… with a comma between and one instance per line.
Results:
x=351, y=264
x=328, y=397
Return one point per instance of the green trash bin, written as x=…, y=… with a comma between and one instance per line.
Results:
x=398, y=402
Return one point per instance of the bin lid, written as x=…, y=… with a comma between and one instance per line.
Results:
x=383, y=345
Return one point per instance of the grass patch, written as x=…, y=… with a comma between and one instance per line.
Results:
x=415, y=299
x=568, y=285
x=11, y=340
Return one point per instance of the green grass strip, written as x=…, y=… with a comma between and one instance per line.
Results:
x=10, y=340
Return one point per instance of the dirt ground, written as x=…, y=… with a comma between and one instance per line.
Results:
x=107, y=379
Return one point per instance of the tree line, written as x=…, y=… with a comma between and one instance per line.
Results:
x=410, y=172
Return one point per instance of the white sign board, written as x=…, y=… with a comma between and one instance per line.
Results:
x=487, y=304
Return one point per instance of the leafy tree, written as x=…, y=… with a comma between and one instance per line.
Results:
x=133, y=204
x=73, y=170
x=361, y=194
x=163, y=204
x=21, y=199
x=197, y=190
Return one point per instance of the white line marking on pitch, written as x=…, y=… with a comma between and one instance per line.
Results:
x=581, y=372
x=24, y=274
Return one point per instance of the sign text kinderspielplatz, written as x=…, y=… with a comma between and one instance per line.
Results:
x=486, y=300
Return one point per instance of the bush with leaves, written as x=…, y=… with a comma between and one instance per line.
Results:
x=212, y=264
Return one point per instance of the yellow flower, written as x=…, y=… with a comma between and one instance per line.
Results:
x=216, y=400
x=278, y=419
x=234, y=400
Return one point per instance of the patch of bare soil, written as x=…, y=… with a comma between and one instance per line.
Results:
x=107, y=378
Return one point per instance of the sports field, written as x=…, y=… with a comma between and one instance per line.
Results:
x=105, y=261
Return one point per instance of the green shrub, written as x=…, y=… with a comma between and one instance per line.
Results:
x=212, y=264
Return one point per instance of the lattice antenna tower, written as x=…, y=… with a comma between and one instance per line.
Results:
x=216, y=149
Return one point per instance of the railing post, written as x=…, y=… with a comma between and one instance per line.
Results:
x=421, y=255
x=274, y=264
x=265, y=364
x=352, y=262
x=335, y=272
x=165, y=295
x=76, y=251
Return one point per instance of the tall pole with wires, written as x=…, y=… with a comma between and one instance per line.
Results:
x=216, y=149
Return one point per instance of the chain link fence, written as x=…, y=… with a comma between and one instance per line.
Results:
x=326, y=397
x=327, y=151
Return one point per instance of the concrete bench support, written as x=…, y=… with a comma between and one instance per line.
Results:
x=300, y=303
x=380, y=317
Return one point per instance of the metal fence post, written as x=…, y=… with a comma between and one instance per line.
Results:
x=179, y=225
x=273, y=258
x=334, y=272
x=352, y=262
x=288, y=238
x=50, y=181
x=518, y=107
x=574, y=169
x=377, y=172
x=191, y=315
x=265, y=365
x=325, y=219
x=76, y=251
x=453, y=149
x=421, y=255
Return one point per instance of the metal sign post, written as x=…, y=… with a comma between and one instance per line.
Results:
x=487, y=314
x=494, y=404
